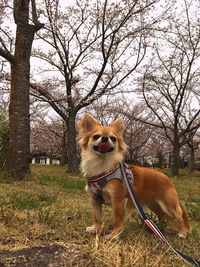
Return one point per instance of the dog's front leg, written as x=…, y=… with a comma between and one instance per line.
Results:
x=97, y=213
x=118, y=219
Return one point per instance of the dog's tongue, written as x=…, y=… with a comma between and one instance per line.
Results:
x=104, y=146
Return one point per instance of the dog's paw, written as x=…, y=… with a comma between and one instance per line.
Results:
x=86, y=188
x=174, y=232
x=182, y=235
x=92, y=229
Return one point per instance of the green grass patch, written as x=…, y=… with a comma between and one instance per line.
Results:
x=58, y=176
x=23, y=201
x=4, y=176
x=66, y=183
x=26, y=201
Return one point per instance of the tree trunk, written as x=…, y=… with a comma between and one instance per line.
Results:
x=4, y=138
x=18, y=157
x=175, y=160
x=131, y=157
x=73, y=161
x=160, y=159
x=64, y=158
x=191, y=160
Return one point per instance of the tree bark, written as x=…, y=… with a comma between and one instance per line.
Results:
x=18, y=157
x=175, y=156
x=73, y=161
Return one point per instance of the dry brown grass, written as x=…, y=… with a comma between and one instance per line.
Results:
x=54, y=208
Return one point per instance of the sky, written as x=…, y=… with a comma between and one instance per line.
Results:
x=37, y=75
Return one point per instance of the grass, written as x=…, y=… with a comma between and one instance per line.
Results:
x=54, y=207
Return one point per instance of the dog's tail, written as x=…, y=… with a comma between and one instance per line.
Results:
x=185, y=216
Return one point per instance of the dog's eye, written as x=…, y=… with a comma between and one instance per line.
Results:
x=113, y=138
x=96, y=136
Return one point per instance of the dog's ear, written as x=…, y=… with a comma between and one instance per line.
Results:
x=87, y=124
x=118, y=125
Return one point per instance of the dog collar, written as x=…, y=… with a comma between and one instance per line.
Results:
x=102, y=175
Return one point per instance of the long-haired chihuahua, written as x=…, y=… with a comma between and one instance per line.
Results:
x=102, y=150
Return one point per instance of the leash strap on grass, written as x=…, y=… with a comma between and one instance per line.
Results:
x=150, y=224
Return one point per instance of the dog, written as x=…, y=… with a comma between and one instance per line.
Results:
x=102, y=150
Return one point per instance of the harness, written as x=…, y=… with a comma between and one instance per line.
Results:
x=96, y=183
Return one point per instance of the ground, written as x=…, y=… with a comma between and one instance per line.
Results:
x=55, y=255
x=43, y=222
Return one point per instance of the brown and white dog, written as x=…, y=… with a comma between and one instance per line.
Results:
x=102, y=150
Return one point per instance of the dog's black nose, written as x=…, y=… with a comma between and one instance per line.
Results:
x=104, y=139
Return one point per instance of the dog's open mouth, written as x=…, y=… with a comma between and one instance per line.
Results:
x=103, y=147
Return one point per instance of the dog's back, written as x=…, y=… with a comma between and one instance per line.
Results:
x=155, y=191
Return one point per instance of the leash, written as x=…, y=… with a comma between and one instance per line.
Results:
x=150, y=224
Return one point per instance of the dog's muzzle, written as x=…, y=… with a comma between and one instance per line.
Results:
x=103, y=147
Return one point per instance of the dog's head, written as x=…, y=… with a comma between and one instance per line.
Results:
x=101, y=140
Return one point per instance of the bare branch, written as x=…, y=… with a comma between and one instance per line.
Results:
x=7, y=55
x=38, y=25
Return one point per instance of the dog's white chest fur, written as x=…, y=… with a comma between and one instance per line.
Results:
x=93, y=165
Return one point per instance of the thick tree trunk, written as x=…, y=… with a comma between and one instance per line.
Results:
x=4, y=139
x=73, y=161
x=18, y=157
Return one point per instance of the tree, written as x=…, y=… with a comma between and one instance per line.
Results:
x=170, y=84
x=47, y=138
x=95, y=46
x=4, y=138
x=159, y=148
x=18, y=156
